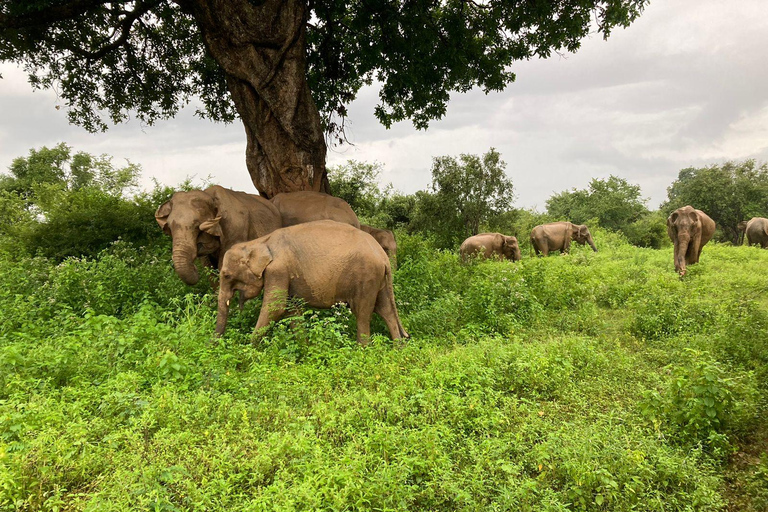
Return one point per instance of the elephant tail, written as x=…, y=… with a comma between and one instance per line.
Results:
x=390, y=298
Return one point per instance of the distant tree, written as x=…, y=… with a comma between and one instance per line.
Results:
x=47, y=170
x=287, y=68
x=59, y=204
x=464, y=194
x=614, y=202
x=729, y=193
x=358, y=184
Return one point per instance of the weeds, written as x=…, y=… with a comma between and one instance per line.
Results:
x=578, y=382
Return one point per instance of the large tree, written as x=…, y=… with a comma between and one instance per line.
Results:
x=614, y=202
x=287, y=68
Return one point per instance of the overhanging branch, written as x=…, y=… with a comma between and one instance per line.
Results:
x=48, y=15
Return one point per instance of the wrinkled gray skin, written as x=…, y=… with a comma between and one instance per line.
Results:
x=757, y=232
x=206, y=223
x=386, y=240
x=323, y=263
x=689, y=229
x=488, y=245
x=306, y=206
x=557, y=236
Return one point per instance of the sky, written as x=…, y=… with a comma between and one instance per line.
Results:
x=685, y=85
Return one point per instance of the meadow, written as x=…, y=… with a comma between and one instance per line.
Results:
x=592, y=381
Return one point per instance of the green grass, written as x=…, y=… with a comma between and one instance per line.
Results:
x=583, y=382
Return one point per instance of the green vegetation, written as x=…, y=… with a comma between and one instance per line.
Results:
x=583, y=382
x=58, y=204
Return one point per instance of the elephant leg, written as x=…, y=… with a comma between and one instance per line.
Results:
x=272, y=308
x=362, y=309
x=387, y=309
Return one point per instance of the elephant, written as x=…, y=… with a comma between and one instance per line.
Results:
x=306, y=206
x=757, y=232
x=690, y=230
x=322, y=262
x=386, y=240
x=491, y=244
x=557, y=236
x=206, y=223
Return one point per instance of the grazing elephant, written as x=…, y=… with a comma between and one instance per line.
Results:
x=386, y=240
x=206, y=223
x=757, y=232
x=323, y=263
x=491, y=244
x=306, y=206
x=690, y=230
x=557, y=236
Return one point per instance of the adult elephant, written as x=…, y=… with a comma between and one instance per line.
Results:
x=491, y=244
x=386, y=240
x=306, y=206
x=690, y=230
x=757, y=232
x=206, y=223
x=557, y=236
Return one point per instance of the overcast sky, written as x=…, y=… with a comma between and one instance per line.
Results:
x=685, y=85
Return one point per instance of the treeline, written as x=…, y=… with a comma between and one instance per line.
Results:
x=58, y=203
x=472, y=194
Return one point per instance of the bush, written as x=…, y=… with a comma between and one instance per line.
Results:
x=702, y=405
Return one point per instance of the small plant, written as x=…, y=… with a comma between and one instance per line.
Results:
x=701, y=403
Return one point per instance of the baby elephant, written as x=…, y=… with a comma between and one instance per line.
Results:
x=489, y=244
x=322, y=262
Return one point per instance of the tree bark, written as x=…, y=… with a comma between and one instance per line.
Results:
x=261, y=48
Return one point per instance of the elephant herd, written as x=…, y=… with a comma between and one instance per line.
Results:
x=311, y=246
x=306, y=245
x=545, y=238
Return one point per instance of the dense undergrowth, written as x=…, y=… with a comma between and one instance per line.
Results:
x=583, y=382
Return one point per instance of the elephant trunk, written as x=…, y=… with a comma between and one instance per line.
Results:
x=225, y=294
x=682, y=249
x=591, y=243
x=518, y=255
x=184, y=254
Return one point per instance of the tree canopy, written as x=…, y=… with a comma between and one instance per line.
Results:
x=288, y=69
x=614, y=202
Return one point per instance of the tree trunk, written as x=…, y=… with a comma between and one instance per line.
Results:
x=261, y=48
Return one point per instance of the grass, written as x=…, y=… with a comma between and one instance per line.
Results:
x=583, y=382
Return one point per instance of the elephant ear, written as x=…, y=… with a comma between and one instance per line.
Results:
x=258, y=259
x=694, y=216
x=161, y=216
x=212, y=227
x=672, y=218
x=583, y=231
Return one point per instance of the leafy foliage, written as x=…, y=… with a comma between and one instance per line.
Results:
x=465, y=193
x=592, y=381
x=357, y=184
x=58, y=204
x=149, y=57
x=729, y=193
x=614, y=202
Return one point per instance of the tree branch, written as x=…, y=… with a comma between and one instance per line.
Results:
x=49, y=15
x=125, y=31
